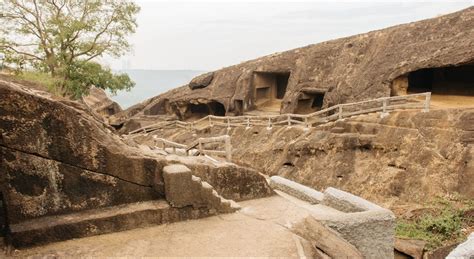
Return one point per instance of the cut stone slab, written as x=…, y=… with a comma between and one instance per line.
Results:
x=100, y=221
x=464, y=250
x=184, y=189
x=298, y=190
x=347, y=202
x=179, y=188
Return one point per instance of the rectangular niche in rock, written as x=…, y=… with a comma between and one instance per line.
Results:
x=310, y=100
x=270, y=87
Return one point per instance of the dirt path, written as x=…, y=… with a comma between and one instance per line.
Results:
x=259, y=229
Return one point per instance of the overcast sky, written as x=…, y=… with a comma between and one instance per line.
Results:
x=209, y=35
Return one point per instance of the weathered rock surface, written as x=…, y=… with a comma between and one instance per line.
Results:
x=184, y=189
x=410, y=247
x=57, y=158
x=66, y=175
x=231, y=181
x=100, y=103
x=406, y=156
x=463, y=250
x=359, y=67
x=201, y=81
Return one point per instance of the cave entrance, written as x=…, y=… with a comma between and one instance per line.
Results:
x=451, y=86
x=201, y=110
x=310, y=101
x=270, y=88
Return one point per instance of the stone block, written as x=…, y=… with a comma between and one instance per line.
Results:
x=298, y=190
x=180, y=190
x=347, y=202
x=464, y=250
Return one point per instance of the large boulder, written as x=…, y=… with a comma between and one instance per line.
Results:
x=57, y=158
x=201, y=81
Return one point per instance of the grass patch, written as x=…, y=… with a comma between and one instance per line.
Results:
x=439, y=226
x=42, y=80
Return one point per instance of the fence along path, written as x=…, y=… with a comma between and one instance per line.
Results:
x=198, y=145
x=336, y=112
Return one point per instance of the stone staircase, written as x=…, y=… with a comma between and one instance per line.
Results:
x=187, y=197
x=183, y=189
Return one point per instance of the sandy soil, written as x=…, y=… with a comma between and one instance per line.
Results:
x=452, y=101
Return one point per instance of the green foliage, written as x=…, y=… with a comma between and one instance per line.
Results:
x=56, y=36
x=436, y=227
x=81, y=75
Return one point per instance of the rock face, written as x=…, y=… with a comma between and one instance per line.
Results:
x=407, y=156
x=66, y=175
x=56, y=158
x=100, y=103
x=360, y=67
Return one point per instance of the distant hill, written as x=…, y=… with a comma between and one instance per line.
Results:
x=152, y=82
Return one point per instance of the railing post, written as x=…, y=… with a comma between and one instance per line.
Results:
x=248, y=123
x=288, y=119
x=427, y=102
x=340, y=112
x=384, y=108
x=228, y=124
x=228, y=148
x=306, y=123
x=210, y=121
x=269, y=127
x=200, y=147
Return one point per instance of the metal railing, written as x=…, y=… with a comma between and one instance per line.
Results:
x=336, y=112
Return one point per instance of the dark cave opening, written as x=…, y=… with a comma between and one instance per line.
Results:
x=452, y=80
x=270, y=86
x=201, y=110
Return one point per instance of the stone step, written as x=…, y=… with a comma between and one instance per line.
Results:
x=100, y=221
x=184, y=189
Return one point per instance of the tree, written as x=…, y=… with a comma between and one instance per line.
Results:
x=56, y=36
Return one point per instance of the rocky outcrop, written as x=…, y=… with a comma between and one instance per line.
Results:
x=57, y=158
x=66, y=175
x=405, y=156
x=98, y=101
x=359, y=67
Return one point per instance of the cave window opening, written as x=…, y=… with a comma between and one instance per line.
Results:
x=270, y=87
x=216, y=108
x=450, y=86
x=453, y=80
x=201, y=110
x=309, y=102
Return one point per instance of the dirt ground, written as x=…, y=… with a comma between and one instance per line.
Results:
x=452, y=101
x=260, y=229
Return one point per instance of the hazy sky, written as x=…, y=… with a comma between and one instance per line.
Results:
x=209, y=35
